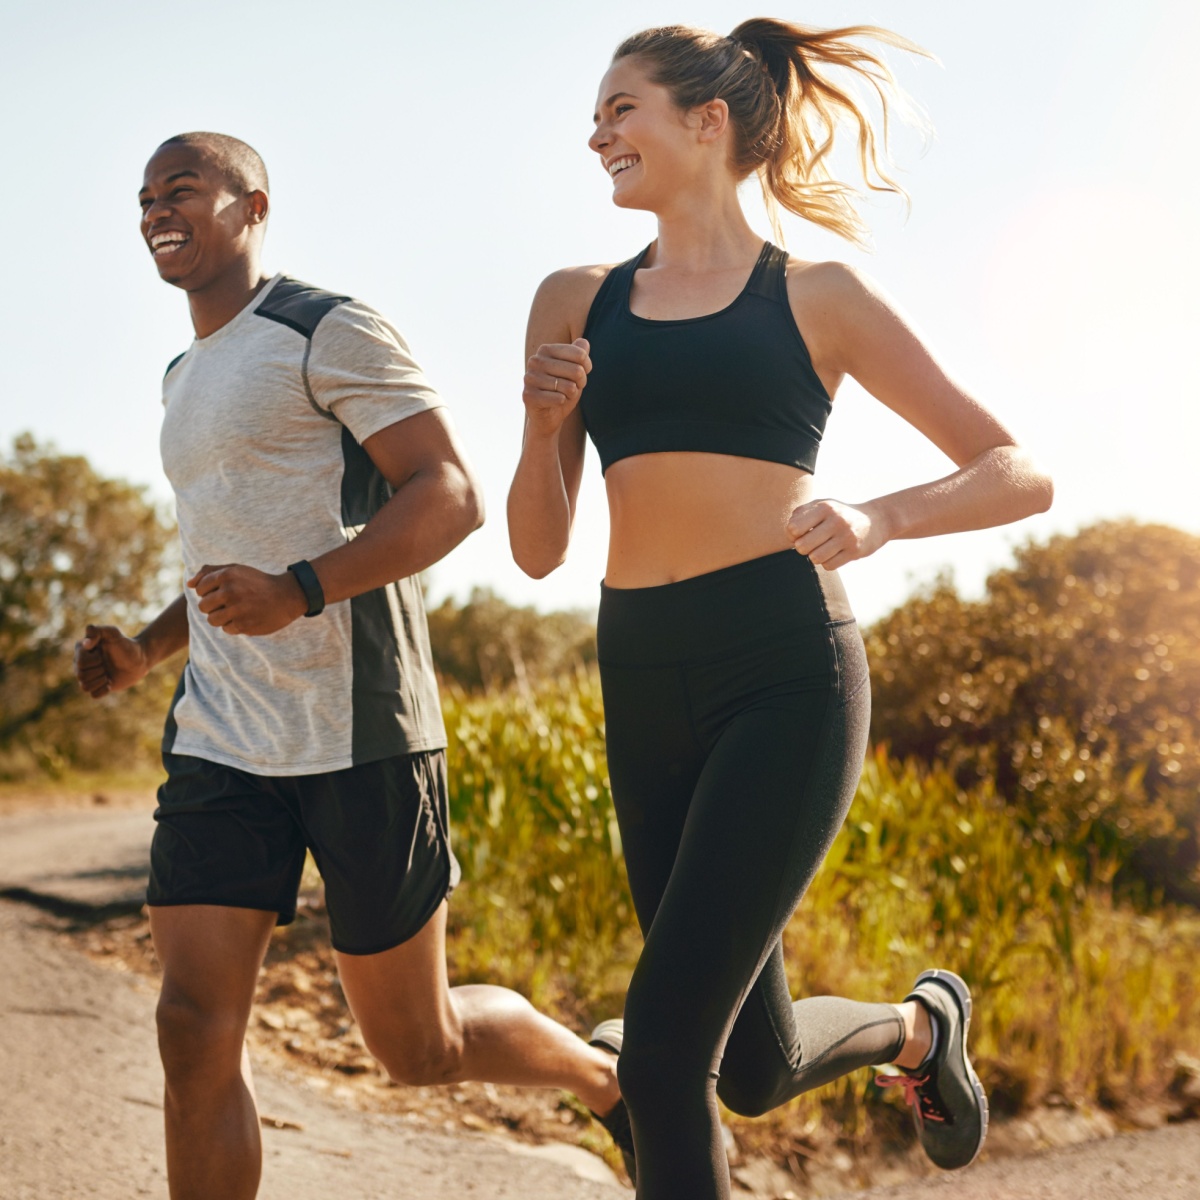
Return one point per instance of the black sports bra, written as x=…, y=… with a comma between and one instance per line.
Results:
x=739, y=381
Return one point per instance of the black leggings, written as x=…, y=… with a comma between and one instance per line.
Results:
x=736, y=706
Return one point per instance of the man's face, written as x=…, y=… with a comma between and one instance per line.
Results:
x=193, y=221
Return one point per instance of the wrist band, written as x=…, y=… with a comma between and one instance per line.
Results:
x=310, y=585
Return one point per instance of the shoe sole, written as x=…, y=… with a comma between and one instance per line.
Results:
x=962, y=994
x=609, y=1035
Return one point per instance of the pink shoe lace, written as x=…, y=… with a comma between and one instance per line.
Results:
x=925, y=1104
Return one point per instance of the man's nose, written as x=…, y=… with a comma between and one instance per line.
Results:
x=155, y=209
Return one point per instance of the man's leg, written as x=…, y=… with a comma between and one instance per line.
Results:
x=424, y=1032
x=210, y=957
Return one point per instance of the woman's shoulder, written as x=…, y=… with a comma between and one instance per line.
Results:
x=821, y=293
x=568, y=282
x=567, y=295
x=829, y=280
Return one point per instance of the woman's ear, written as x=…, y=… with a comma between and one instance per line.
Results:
x=711, y=120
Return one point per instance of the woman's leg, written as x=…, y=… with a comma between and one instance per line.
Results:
x=779, y=1048
x=768, y=801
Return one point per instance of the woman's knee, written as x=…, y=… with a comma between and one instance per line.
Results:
x=658, y=1071
x=747, y=1093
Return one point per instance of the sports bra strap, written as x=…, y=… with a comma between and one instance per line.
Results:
x=612, y=291
x=769, y=277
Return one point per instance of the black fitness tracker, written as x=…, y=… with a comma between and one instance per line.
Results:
x=310, y=585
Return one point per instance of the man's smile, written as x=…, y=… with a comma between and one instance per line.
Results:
x=168, y=242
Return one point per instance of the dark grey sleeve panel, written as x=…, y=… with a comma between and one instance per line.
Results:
x=364, y=489
x=299, y=306
x=173, y=363
x=170, y=729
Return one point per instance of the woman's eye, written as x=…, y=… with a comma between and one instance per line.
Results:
x=623, y=108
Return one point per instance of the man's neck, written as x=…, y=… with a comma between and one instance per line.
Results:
x=218, y=302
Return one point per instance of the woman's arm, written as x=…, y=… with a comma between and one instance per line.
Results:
x=541, y=501
x=853, y=329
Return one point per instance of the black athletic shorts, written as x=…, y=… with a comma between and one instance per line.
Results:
x=379, y=833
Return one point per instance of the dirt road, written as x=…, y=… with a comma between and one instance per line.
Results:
x=80, y=1097
x=80, y=1107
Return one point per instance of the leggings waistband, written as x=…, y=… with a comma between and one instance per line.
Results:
x=711, y=615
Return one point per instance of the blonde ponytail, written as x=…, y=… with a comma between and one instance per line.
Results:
x=784, y=110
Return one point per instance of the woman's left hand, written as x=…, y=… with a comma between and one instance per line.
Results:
x=832, y=534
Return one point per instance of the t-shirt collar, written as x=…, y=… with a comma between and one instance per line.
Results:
x=260, y=296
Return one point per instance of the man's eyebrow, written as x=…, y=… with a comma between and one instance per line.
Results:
x=611, y=101
x=187, y=172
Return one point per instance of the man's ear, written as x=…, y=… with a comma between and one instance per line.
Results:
x=259, y=206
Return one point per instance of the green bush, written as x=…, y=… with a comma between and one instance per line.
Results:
x=1074, y=686
x=488, y=643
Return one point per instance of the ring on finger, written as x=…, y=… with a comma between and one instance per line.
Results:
x=556, y=383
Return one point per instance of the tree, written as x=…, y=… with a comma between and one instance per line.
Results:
x=74, y=547
x=1074, y=684
x=488, y=643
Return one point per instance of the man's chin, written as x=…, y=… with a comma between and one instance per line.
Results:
x=176, y=276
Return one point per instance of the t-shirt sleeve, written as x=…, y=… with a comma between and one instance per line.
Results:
x=360, y=371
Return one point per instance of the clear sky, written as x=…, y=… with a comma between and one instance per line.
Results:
x=431, y=159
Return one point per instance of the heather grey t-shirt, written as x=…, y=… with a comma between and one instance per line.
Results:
x=261, y=442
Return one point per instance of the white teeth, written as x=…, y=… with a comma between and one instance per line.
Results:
x=167, y=241
x=619, y=164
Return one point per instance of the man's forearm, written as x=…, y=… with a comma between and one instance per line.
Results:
x=167, y=633
x=426, y=518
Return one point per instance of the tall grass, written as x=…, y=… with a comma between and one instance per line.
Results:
x=1075, y=995
x=545, y=906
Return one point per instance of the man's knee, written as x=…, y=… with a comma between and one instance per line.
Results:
x=418, y=1057
x=197, y=1044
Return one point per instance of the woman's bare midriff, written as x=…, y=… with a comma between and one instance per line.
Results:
x=681, y=514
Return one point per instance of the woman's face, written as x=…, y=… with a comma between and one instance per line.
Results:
x=648, y=146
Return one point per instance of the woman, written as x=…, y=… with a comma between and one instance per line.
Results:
x=734, y=678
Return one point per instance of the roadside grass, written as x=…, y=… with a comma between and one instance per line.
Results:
x=133, y=787
x=1078, y=1000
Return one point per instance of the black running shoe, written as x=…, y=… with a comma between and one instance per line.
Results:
x=609, y=1035
x=949, y=1106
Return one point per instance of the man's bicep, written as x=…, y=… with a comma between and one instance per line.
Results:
x=424, y=442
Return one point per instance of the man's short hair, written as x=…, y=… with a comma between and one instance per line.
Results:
x=241, y=164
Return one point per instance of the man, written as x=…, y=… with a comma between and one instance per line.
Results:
x=315, y=474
